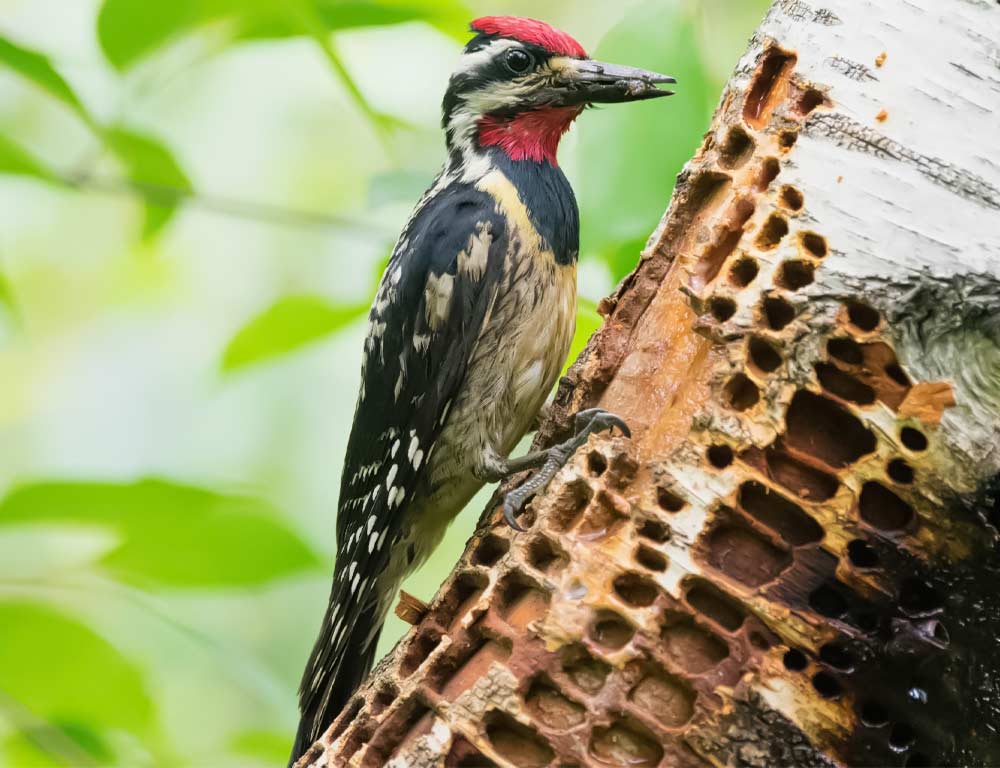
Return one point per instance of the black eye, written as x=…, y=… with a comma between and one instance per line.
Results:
x=518, y=61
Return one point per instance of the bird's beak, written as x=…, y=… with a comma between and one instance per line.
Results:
x=584, y=81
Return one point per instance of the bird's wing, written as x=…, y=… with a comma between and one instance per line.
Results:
x=430, y=307
x=423, y=328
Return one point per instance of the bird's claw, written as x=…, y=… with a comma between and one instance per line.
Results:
x=510, y=509
x=586, y=423
x=599, y=420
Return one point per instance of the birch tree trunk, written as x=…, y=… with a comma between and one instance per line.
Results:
x=795, y=560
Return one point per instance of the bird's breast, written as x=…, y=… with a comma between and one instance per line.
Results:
x=519, y=352
x=530, y=328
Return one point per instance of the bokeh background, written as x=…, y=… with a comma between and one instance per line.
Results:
x=196, y=200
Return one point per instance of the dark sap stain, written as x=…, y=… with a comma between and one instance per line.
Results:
x=926, y=678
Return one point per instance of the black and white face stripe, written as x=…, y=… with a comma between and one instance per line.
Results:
x=496, y=76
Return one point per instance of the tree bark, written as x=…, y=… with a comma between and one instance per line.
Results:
x=794, y=560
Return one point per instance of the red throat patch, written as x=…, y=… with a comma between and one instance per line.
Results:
x=530, y=135
x=530, y=31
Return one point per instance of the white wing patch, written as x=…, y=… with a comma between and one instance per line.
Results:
x=528, y=379
x=472, y=261
x=437, y=296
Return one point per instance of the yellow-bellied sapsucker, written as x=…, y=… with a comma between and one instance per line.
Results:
x=469, y=330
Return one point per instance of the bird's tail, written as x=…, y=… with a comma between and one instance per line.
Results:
x=336, y=668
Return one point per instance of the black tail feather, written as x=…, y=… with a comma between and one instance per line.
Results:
x=356, y=657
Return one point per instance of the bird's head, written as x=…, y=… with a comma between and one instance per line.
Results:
x=521, y=83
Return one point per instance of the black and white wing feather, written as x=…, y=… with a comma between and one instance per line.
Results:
x=433, y=300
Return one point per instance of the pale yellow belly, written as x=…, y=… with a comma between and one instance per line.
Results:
x=521, y=352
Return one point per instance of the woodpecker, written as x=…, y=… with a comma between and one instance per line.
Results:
x=469, y=329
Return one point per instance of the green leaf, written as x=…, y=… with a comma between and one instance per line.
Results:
x=17, y=161
x=37, y=68
x=155, y=173
x=149, y=164
x=64, y=685
x=128, y=30
x=449, y=16
x=286, y=325
x=171, y=535
x=631, y=153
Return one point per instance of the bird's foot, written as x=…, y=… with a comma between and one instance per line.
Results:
x=553, y=459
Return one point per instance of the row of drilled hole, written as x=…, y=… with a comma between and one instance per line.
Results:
x=740, y=392
x=624, y=739
x=658, y=694
x=738, y=147
x=721, y=456
x=878, y=506
x=871, y=712
x=916, y=598
x=899, y=471
x=792, y=275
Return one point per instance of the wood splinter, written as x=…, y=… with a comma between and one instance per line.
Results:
x=411, y=609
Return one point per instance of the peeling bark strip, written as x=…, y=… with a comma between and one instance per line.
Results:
x=795, y=560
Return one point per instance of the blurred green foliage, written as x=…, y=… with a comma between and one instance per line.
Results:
x=194, y=196
x=68, y=686
x=130, y=29
x=286, y=325
x=37, y=68
x=169, y=535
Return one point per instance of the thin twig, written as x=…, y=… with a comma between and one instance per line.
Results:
x=161, y=194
